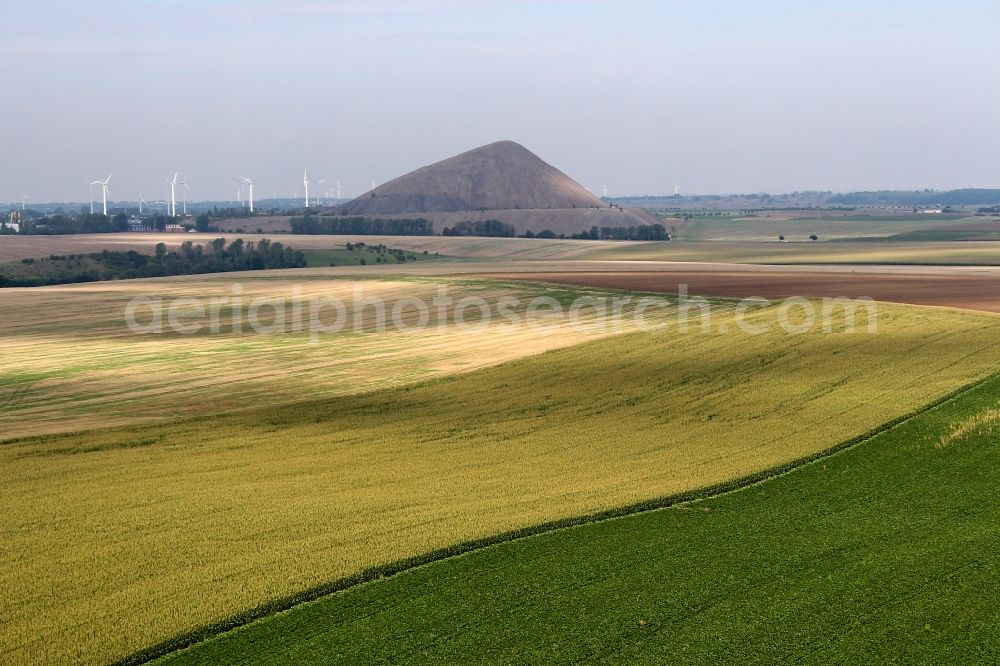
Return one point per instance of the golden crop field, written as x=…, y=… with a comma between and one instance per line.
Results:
x=116, y=539
x=68, y=361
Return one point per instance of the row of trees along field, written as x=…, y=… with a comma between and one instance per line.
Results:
x=642, y=232
x=189, y=259
x=316, y=224
x=491, y=228
x=98, y=223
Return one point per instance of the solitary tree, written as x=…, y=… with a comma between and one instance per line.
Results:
x=814, y=238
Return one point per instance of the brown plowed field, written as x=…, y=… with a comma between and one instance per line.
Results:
x=972, y=292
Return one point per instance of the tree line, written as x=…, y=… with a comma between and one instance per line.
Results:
x=189, y=259
x=349, y=225
x=491, y=228
x=963, y=197
x=641, y=232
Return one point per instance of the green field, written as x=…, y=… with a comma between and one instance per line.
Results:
x=885, y=553
x=150, y=532
x=364, y=255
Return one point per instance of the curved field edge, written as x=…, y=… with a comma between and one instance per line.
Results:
x=272, y=609
x=117, y=540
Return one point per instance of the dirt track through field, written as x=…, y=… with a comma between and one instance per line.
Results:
x=971, y=291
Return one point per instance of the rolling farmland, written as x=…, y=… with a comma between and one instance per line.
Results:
x=967, y=253
x=973, y=291
x=150, y=532
x=765, y=251
x=72, y=362
x=20, y=247
x=766, y=229
x=305, y=358
x=900, y=530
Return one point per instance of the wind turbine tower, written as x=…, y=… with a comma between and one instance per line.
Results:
x=173, y=195
x=306, y=181
x=249, y=182
x=104, y=191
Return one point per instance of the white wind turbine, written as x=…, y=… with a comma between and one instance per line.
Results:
x=306, y=181
x=339, y=190
x=25, y=197
x=173, y=194
x=104, y=191
x=248, y=181
x=141, y=201
x=91, y=198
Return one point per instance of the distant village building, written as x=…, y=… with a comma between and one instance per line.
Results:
x=12, y=223
x=174, y=229
x=139, y=225
x=931, y=211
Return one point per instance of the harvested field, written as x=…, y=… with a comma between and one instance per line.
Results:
x=972, y=253
x=967, y=291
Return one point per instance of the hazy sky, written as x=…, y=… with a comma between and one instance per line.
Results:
x=715, y=96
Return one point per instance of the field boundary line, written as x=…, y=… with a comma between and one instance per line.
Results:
x=277, y=606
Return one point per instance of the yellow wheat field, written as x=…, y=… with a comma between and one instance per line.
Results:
x=68, y=361
x=113, y=540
